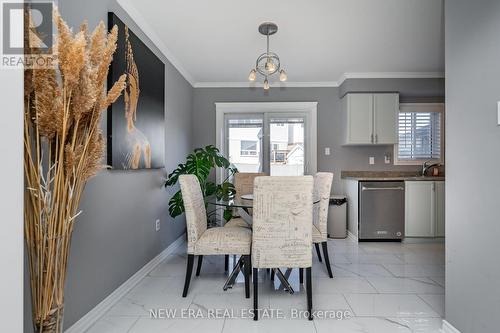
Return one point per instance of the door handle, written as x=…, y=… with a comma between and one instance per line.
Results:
x=397, y=188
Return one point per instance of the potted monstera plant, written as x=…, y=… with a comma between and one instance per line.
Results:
x=201, y=162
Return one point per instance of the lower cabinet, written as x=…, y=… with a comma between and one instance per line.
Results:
x=424, y=209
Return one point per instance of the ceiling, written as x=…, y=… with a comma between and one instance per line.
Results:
x=216, y=43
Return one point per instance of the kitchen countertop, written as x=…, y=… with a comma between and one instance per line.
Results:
x=388, y=176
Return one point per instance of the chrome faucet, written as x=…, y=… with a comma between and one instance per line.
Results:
x=426, y=166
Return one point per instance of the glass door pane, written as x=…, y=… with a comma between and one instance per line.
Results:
x=244, y=135
x=286, y=145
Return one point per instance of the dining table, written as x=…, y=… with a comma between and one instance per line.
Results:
x=243, y=205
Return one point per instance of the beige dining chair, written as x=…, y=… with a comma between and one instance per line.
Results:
x=282, y=228
x=243, y=183
x=213, y=241
x=322, y=189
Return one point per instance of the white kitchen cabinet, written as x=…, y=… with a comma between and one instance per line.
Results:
x=424, y=209
x=385, y=118
x=371, y=118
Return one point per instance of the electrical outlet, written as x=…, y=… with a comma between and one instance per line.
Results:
x=157, y=225
x=371, y=160
x=387, y=159
x=327, y=151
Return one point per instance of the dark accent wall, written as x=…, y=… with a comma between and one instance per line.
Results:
x=473, y=165
x=330, y=121
x=115, y=235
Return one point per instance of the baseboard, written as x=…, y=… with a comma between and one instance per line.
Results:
x=352, y=236
x=100, y=309
x=448, y=328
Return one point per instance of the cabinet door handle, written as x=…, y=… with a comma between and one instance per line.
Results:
x=376, y=138
x=372, y=138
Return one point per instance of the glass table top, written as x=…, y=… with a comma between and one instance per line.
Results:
x=245, y=201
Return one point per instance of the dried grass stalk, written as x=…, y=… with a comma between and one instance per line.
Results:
x=63, y=148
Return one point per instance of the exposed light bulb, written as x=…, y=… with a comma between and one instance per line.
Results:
x=283, y=76
x=266, y=84
x=270, y=66
x=252, y=76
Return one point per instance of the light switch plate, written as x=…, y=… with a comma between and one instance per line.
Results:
x=387, y=159
x=157, y=225
x=327, y=151
x=498, y=113
x=371, y=160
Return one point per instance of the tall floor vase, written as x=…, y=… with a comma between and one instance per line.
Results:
x=63, y=148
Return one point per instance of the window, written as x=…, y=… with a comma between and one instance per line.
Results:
x=298, y=128
x=420, y=134
x=248, y=148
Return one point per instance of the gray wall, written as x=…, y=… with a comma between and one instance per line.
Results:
x=330, y=123
x=410, y=90
x=114, y=237
x=473, y=165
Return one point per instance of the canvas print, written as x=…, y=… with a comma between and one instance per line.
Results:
x=136, y=122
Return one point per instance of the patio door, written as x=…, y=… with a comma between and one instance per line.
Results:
x=274, y=143
x=278, y=138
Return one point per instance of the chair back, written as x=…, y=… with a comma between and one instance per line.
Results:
x=322, y=189
x=243, y=182
x=194, y=206
x=282, y=222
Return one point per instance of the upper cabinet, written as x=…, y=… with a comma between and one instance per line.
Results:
x=371, y=118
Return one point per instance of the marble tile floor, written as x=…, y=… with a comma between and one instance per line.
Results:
x=378, y=287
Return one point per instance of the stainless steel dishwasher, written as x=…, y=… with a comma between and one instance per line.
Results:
x=381, y=210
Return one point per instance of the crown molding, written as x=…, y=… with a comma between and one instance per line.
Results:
x=150, y=33
x=260, y=84
x=338, y=83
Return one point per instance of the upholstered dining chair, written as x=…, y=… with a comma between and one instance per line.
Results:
x=243, y=183
x=322, y=188
x=213, y=241
x=282, y=228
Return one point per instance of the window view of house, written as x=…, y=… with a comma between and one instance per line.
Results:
x=245, y=144
x=287, y=148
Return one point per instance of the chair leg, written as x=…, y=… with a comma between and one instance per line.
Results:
x=226, y=262
x=309, y=292
x=301, y=275
x=189, y=271
x=198, y=268
x=316, y=245
x=272, y=274
x=327, y=259
x=246, y=258
x=255, y=277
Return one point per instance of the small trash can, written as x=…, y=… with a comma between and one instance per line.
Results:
x=337, y=217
